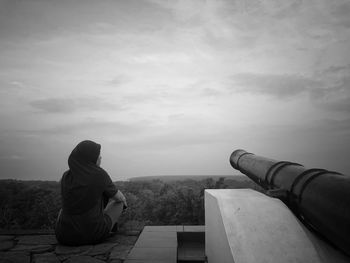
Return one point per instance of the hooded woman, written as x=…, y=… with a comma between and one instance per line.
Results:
x=85, y=188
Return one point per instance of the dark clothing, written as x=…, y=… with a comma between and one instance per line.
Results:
x=84, y=189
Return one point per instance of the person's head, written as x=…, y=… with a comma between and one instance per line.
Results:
x=88, y=152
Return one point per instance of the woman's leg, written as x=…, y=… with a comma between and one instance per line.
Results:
x=114, y=209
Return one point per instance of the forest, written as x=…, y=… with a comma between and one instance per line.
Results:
x=35, y=204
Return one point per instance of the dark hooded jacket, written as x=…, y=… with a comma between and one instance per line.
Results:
x=84, y=187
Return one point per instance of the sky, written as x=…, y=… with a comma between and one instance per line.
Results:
x=173, y=87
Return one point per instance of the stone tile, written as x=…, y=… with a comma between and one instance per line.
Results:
x=6, y=244
x=14, y=257
x=65, y=252
x=45, y=258
x=121, y=239
x=21, y=232
x=83, y=259
x=68, y=250
x=102, y=248
x=103, y=257
x=132, y=232
x=157, y=239
x=32, y=248
x=37, y=239
x=120, y=252
x=64, y=257
x=194, y=228
x=6, y=237
x=159, y=229
x=153, y=254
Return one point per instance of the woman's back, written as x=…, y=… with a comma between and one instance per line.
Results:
x=83, y=188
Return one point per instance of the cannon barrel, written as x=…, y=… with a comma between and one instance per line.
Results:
x=320, y=198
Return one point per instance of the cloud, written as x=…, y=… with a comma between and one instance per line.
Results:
x=18, y=84
x=118, y=80
x=329, y=89
x=336, y=69
x=11, y=157
x=341, y=104
x=335, y=125
x=336, y=94
x=280, y=86
x=69, y=105
x=162, y=58
x=9, y=87
x=206, y=88
x=181, y=139
x=43, y=20
x=335, y=76
x=90, y=127
x=341, y=14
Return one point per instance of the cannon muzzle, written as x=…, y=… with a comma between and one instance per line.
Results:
x=319, y=198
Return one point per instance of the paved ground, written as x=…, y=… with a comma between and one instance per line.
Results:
x=156, y=244
x=31, y=247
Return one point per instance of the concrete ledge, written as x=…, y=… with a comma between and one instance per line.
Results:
x=160, y=244
x=243, y=225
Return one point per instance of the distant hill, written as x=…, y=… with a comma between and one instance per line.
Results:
x=172, y=178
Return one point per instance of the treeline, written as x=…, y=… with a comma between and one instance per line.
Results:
x=35, y=204
x=28, y=204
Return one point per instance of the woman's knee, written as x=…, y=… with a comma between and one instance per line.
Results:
x=114, y=209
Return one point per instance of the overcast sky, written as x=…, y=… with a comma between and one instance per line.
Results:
x=173, y=87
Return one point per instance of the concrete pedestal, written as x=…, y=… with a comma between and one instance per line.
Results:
x=243, y=225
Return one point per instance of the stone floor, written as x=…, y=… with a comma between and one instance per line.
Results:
x=155, y=244
x=41, y=247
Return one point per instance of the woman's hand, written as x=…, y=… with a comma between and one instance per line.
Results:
x=119, y=197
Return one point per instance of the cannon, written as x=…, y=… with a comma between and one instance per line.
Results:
x=319, y=198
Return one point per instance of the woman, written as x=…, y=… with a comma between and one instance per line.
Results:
x=85, y=187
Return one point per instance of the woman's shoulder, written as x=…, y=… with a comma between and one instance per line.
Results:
x=102, y=174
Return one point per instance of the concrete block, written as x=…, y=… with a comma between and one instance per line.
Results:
x=154, y=254
x=180, y=228
x=160, y=228
x=191, y=254
x=243, y=225
x=157, y=239
x=193, y=228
